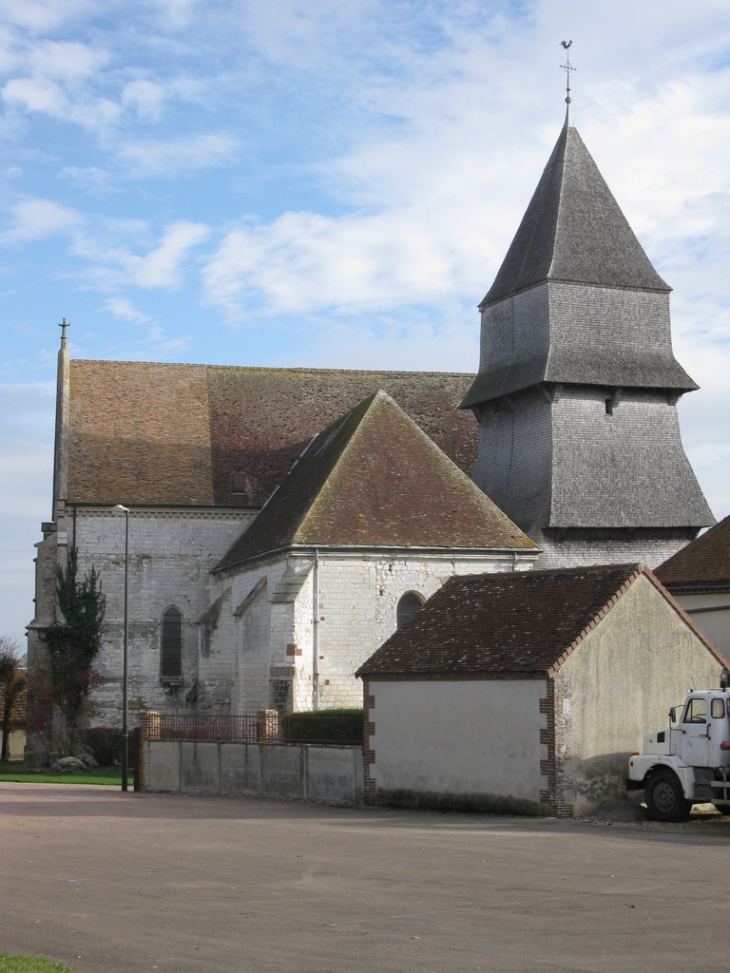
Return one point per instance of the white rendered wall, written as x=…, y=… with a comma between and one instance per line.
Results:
x=715, y=623
x=449, y=737
x=618, y=685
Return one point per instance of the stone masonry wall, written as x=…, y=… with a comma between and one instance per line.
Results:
x=170, y=557
x=357, y=606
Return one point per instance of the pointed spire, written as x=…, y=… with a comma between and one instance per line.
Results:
x=573, y=231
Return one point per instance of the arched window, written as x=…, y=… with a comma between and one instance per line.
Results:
x=407, y=607
x=172, y=644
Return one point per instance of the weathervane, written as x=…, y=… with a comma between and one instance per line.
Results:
x=567, y=67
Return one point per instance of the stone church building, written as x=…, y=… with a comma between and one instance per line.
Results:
x=284, y=522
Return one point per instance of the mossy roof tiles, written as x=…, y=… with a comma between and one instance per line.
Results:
x=705, y=563
x=373, y=478
x=164, y=434
x=522, y=624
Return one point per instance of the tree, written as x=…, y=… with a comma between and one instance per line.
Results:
x=74, y=643
x=12, y=685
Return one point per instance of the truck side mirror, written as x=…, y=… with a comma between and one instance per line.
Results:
x=724, y=679
x=673, y=715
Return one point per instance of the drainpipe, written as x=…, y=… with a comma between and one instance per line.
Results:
x=315, y=633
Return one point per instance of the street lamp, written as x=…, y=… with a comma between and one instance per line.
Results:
x=125, y=677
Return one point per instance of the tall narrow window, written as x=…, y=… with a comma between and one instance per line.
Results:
x=407, y=607
x=172, y=644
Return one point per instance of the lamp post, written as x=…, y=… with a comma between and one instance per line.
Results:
x=125, y=672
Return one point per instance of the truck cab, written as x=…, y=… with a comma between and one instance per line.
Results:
x=688, y=762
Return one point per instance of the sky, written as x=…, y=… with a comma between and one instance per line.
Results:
x=328, y=184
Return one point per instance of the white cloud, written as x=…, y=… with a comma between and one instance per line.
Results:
x=160, y=267
x=145, y=97
x=158, y=158
x=44, y=95
x=67, y=60
x=39, y=218
x=41, y=16
x=120, y=307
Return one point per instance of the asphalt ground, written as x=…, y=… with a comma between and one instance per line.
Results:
x=140, y=882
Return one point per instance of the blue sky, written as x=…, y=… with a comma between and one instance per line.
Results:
x=325, y=184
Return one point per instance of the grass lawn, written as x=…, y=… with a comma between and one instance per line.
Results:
x=16, y=773
x=30, y=964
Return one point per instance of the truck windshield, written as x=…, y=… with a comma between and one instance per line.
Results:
x=696, y=711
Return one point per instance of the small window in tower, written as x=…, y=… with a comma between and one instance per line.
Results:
x=240, y=483
x=609, y=407
x=407, y=608
x=172, y=645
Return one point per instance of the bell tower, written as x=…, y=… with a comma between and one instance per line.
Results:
x=578, y=385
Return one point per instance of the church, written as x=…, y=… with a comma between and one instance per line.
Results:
x=283, y=523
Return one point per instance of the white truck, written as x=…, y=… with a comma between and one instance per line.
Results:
x=688, y=762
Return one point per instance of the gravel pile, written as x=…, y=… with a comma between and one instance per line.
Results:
x=618, y=812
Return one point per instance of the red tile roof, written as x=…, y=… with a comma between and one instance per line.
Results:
x=705, y=563
x=373, y=478
x=174, y=434
x=520, y=625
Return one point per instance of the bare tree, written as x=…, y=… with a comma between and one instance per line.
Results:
x=12, y=684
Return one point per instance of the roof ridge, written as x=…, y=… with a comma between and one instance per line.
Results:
x=267, y=369
x=561, y=191
x=598, y=617
x=338, y=424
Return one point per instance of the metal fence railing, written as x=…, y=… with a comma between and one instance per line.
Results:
x=266, y=726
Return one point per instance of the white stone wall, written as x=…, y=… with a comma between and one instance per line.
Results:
x=452, y=738
x=357, y=605
x=170, y=556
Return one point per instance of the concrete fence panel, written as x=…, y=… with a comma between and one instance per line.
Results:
x=283, y=769
x=241, y=769
x=200, y=768
x=333, y=775
x=161, y=765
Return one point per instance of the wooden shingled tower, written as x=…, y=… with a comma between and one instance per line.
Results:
x=577, y=389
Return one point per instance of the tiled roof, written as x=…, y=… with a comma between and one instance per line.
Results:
x=705, y=563
x=174, y=434
x=491, y=625
x=573, y=230
x=373, y=478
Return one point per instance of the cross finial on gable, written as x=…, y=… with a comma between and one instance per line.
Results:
x=63, y=325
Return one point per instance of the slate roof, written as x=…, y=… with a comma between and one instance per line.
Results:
x=573, y=230
x=373, y=478
x=705, y=563
x=164, y=434
x=521, y=624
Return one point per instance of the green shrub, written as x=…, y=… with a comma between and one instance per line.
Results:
x=105, y=744
x=338, y=726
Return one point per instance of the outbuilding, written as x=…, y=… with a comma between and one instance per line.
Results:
x=528, y=691
x=698, y=576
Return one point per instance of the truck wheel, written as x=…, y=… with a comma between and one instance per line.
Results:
x=665, y=798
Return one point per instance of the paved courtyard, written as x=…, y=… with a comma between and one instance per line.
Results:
x=138, y=882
